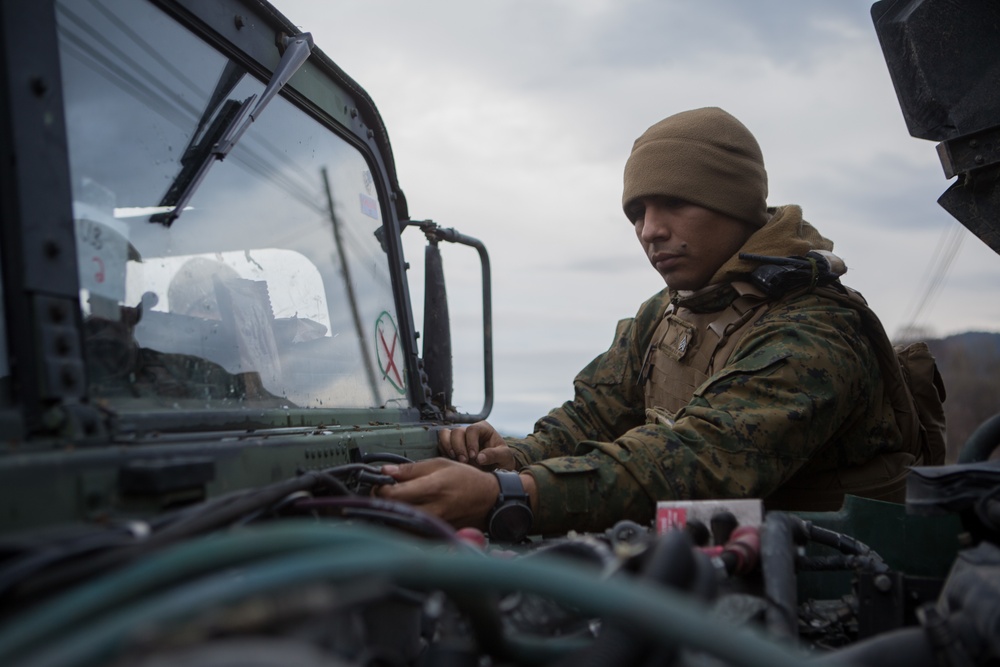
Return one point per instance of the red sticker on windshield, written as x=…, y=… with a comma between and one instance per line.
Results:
x=369, y=206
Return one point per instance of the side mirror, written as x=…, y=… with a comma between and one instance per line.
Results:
x=437, y=347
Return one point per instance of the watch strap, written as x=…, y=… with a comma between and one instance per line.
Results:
x=511, y=518
x=511, y=487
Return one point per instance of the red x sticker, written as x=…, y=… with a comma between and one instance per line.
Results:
x=389, y=352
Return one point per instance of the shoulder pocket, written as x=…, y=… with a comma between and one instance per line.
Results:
x=758, y=363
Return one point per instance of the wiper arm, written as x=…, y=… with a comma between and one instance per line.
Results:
x=232, y=121
x=297, y=50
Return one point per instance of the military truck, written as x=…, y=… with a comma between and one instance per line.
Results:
x=221, y=226
x=209, y=349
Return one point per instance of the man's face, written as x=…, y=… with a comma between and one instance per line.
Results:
x=684, y=242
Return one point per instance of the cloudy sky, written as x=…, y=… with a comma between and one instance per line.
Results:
x=511, y=121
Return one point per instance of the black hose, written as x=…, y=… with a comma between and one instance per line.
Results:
x=588, y=552
x=837, y=563
x=907, y=647
x=723, y=524
x=669, y=562
x=183, y=524
x=699, y=532
x=983, y=441
x=397, y=513
x=192, y=521
x=845, y=544
x=859, y=554
x=387, y=457
x=35, y=561
x=487, y=626
x=705, y=583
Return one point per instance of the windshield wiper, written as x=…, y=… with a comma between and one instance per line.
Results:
x=232, y=121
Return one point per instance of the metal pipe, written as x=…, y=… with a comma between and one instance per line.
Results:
x=983, y=441
x=777, y=562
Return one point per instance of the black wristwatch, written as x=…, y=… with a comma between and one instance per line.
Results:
x=511, y=518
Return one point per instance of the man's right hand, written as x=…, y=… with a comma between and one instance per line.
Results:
x=479, y=445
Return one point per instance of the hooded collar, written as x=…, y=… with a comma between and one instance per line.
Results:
x=785, y=234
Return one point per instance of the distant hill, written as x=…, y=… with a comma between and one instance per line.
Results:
x=970, y=366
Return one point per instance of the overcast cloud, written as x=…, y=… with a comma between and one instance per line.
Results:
x=511, y=121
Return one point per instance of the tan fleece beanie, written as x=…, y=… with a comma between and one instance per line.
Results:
x=704, y=156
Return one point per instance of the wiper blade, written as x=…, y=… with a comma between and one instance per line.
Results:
x=232, y=121
x=231, y=76
x=196, y=161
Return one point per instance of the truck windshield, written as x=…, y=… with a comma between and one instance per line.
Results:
x=271, y=290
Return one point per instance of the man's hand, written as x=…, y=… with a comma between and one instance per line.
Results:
x=460, y=494
x=479, y=445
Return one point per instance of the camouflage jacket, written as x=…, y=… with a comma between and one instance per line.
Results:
x=799, y=397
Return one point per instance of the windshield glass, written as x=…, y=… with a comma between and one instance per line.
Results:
x=271, y=289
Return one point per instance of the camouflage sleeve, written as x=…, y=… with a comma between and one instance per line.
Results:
x=608, y=400
x=796, y=377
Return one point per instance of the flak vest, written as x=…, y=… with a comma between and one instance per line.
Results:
x=688, y=347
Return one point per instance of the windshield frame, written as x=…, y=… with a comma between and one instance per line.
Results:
x=242, y=31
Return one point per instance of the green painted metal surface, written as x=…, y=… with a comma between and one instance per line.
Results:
x=920, y=546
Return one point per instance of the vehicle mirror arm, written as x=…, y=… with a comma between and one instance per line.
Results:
x=435, y=234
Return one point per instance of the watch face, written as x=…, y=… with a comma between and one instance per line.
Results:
x=510, y=522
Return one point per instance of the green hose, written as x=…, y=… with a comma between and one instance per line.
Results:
x=180, y=564
x=662, y=616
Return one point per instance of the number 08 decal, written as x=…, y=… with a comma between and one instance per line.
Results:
x=389, y=352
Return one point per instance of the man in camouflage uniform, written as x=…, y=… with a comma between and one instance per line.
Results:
x=716, y=388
